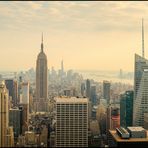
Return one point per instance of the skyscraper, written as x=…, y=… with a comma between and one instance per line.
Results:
x=24, y=93
x=72, y=122
x=40, y=103
x=93, y=95
x=140, y=64
x=106, y=91
x=126, y=109
x=12, y=86
x=88, y=88
x=140, y=86
x=15, y=121
x=9, y=137
x=141, y=98
x=41, y=74
x=115, y=118
x=83, y=89
x=24, y=117
x=4, y=113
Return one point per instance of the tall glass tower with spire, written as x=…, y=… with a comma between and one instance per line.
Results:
x=140, y=86
x=140, y=90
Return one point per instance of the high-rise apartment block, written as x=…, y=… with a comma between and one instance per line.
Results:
x=72, y=122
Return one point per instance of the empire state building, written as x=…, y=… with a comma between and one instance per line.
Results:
x=41, y=80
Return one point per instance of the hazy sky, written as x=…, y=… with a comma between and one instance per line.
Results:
x=86, y=35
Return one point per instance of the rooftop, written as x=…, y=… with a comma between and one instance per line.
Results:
x=119, y=139
x=71, y=100
x=138, y=128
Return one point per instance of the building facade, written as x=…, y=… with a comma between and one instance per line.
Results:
x=72, y=122
x=141, y=90
x=126, y=109
x=146, y=121
x=93, y=95
x=4, y=114
x=106, y=91
x=25, y=93
x=12, y=86
x=15, y=121
x=41, y=81
x=88, y=88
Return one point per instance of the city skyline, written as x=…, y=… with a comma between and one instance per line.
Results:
x=85, y=35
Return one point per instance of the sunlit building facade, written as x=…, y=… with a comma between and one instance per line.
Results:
x=4, y=114
x=72, y=122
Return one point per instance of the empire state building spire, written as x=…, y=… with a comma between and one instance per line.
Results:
x=42, y=44
x=142, y=39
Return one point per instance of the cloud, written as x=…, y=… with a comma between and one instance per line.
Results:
x=72, y=16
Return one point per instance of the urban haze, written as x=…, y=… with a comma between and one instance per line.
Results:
x=73, y=74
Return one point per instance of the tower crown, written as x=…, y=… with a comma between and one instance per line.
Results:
x=42, y=46
x=42, y=55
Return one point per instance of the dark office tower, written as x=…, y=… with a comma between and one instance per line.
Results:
x=15, y=121
x=41, y=81
x=24, y=117
x=88, y=88
x=106, y=91
x=93, y=96
x=83, y=89
x=13, y=89
x=126, y=109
